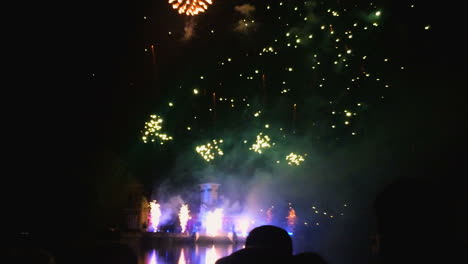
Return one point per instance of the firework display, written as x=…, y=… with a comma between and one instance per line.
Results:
x=314, y=75
x=303, y=83
x=210, y=150
x=155, y=215
x=295, y=159
x=190, y=7
x=152, y=132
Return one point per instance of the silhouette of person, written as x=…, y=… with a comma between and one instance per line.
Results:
x=264, y=244
x=413, y=223
x=309, y=258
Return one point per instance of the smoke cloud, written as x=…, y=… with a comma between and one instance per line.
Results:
x=245, y=9
x=189, y=28
x=245, y=24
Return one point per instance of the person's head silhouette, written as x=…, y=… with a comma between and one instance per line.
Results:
x=269, y=236
x=264, y=244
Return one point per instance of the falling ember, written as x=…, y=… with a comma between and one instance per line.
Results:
x=155, y=215
x=214, y=106
x=152, y=53
x=294, y=115
x=184, y=217
x=291, y=220
x=190, y=7
x=214, y=222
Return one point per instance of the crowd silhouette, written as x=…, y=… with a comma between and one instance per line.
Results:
x=270, y=244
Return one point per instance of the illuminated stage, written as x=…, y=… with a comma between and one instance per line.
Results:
x=209, y=226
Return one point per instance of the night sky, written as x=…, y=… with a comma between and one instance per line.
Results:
x=83, y=84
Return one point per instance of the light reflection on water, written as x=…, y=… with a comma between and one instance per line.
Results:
x=188, y=254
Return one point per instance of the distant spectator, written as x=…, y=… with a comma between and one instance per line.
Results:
x=308, y=258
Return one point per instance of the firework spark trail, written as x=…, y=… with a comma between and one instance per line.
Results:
x=155, y=215
x=291, y=220
x=184, y=217
x=153, y=54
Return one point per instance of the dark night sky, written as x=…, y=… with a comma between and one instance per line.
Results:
x=60, y=117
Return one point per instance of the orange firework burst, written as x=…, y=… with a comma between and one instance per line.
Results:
x=190, y=7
